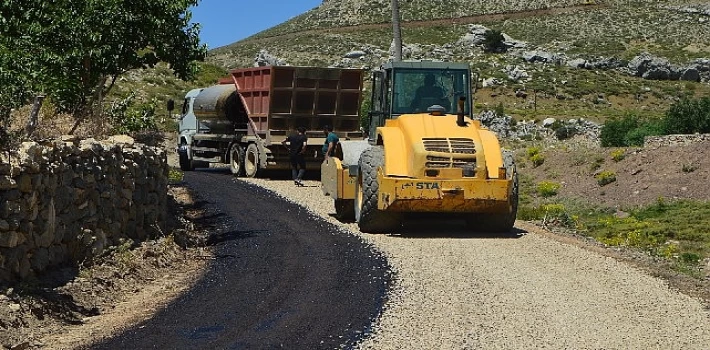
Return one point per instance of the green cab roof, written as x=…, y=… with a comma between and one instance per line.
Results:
x=425, y=65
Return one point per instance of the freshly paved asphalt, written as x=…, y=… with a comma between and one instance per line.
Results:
x=281, y=279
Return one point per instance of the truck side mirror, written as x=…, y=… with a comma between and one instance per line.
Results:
x=171, y=105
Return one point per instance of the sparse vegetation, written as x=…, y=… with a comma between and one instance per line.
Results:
x=548, y=188
x=618, y=155
x=175, y=176
x=605, y=177
x=675, y=230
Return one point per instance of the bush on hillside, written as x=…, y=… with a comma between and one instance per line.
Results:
x=688, y=116
x=629, y=131
x=493, y=41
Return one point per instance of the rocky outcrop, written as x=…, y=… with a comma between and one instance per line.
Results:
x=264, y=58
x=66, y=201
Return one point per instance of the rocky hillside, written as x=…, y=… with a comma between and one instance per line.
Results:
x=564, y=59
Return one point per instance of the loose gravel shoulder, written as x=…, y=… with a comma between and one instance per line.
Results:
x=456, y=290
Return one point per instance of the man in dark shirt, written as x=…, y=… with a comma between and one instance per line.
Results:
x=297, y=150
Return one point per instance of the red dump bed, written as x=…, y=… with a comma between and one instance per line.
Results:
x=283, y=98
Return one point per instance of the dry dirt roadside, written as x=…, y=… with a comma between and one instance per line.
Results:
x=458, y=291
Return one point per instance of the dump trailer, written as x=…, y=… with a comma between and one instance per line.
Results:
x=242, y=120
x=423, y=154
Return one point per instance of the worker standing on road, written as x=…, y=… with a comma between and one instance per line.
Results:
x=331, y=140
x=297, y=149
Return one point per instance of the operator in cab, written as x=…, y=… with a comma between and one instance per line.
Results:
x=429, y=94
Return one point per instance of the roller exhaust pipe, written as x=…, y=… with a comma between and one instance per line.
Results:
x=459, y=120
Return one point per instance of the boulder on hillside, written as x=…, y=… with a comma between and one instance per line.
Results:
x=648, y=66
x=355, y=54
x=264, y=58
x=475, y=36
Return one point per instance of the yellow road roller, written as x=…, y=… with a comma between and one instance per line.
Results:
x=423, y=154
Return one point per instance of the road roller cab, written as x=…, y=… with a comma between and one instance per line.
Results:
x=424, y=154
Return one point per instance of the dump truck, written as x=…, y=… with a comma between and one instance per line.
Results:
x=242, y=120
x=424, y=156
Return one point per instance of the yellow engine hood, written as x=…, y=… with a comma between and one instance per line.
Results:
x=405, y=153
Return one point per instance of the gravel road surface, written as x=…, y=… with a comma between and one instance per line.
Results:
x=281, y=278
x=455, y=290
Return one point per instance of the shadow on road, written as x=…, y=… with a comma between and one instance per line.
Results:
x=427, y=228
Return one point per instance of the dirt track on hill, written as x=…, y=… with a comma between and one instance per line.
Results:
x=437, y=22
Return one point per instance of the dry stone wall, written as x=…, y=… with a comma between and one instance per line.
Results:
x=672, y=140
x=65, y=201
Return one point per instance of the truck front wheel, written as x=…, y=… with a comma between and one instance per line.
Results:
x=370, y=219
x=186, y=164
x=236, y=159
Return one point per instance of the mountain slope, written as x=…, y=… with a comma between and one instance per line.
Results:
x=609, y=31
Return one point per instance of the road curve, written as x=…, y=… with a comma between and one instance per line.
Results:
x=281, y=278
x=456, y=290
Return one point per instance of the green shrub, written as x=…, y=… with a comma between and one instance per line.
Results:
x=499, y=110
x=688, y=116
x=531, y=151
x=636, y=136
x=605, y=177
x=548, y=188
x=596, y=163
x=629, y=131
x=537, y=160
x=175, y=176
x=689, y=167
x=618, y=155
x=493, y=41
x=614, y=130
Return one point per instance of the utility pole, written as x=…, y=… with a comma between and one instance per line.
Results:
x=397, y=31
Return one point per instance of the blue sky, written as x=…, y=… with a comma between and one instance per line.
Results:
x=226, y=21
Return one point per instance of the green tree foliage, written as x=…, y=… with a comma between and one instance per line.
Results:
x=628, y=131
x=688, y=116
x=493, y=41
x=73, y=50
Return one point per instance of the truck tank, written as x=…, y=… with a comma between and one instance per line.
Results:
x=219, y=110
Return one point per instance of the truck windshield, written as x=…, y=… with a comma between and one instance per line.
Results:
x=415, y=90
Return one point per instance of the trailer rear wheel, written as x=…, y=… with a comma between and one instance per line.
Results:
x=345, y=209
x=251, y=161
x=370, y=219
x=501, y=222
x=236, y=159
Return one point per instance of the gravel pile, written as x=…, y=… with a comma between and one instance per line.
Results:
x=462, y=291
